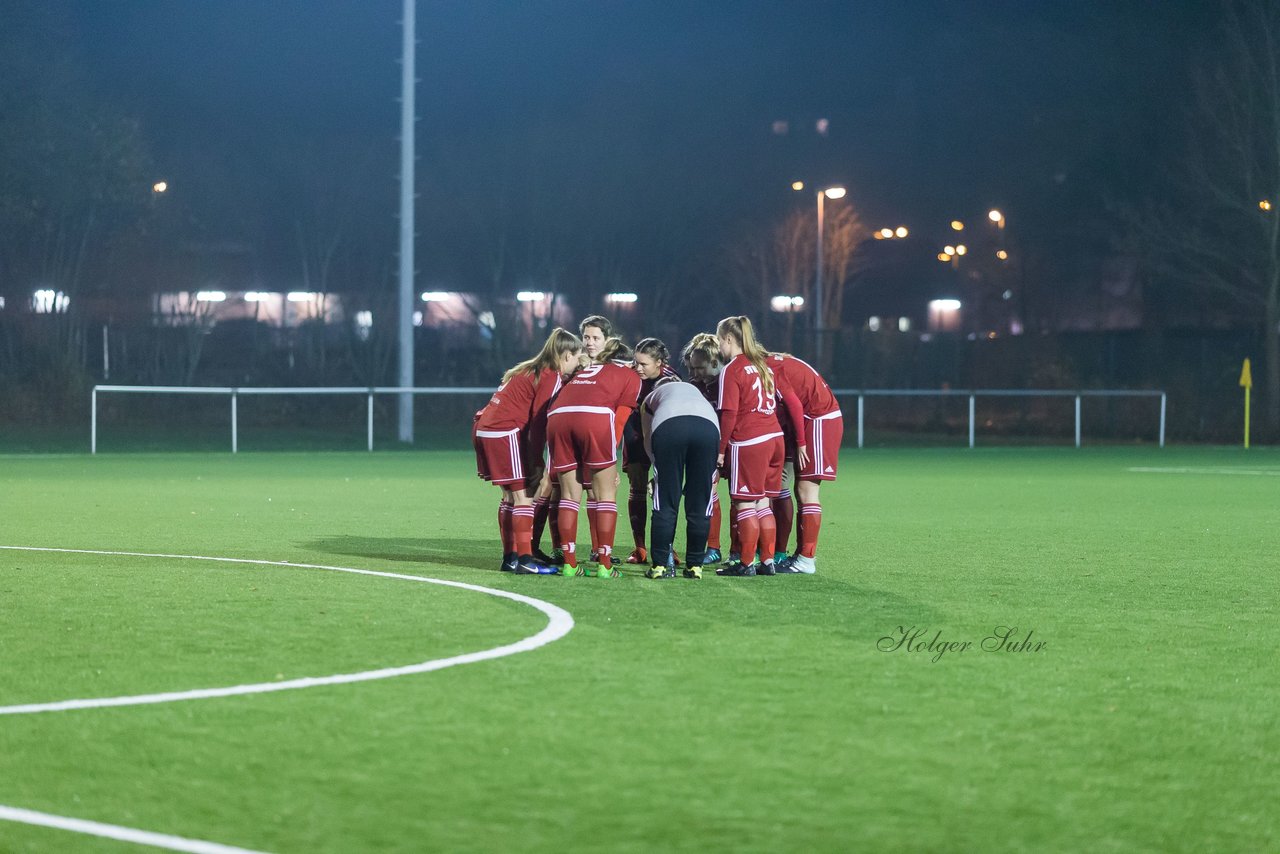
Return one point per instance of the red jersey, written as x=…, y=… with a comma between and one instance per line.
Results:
x=647, y=386
x=809, y=386
x=746, y=411
x=521, y=402
x=599, y=387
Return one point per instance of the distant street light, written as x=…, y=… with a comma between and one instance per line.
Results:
x=900, y=231
x=786, y=303
x=797, y=185
x=957, y=225
x=159, y=186
x=530, y=296
x=833, y=193
x=997, y=218
x=1265, y=204
x=621, y=298
x=1002, y=255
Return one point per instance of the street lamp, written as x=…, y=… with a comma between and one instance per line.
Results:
x=832, y=193
x=997, y=218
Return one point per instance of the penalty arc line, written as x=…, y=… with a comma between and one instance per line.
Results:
x=559, y=624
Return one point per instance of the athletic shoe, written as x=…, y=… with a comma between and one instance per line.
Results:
x=638, y=555
x=693, y=572
x=734, y=557
x=542, y=557
x=529, y=566
x=557, y=558
x=712, y=556
x=608, y=572
x=765, y=568
x=779, y=557
x=801, y=565
x=660, y=572
x=509, y=562
x=787, y=566
x=737, y=569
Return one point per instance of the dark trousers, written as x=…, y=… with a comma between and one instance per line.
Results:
x=684, y=450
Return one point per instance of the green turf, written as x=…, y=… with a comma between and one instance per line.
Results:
x=726, y=714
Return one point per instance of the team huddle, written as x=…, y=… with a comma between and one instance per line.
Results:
x=766, y=422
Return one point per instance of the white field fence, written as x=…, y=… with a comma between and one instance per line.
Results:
x=946, y=411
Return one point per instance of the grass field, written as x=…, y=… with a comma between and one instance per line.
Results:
x=727, y=714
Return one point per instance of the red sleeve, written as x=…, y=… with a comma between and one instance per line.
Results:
x=727, y=403
x=548, y=385
x=620, y=422
x=791, y=404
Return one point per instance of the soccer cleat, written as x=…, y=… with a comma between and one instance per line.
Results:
x=509, y=562
x=737, y=569
x=779, y=557
x=693, y=572
x=529, y=566
x=765, y=567
x=542, y=557
x=786, y=566
x=799, y=565
x=712, y=556
x=557, y=558
x=638, y=555
x=733, y=557
x=660, y=572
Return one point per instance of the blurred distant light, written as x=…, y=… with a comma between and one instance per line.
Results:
x=948, y=250
x=1, y=302
x=822, y=126
x=780, y=127
x=530, y=296
x=961, y=249
x=957, y=225
x=364, y=319
x=786, y=303
x=417, y=318
x=944, y=315
x=210, y=296
x=942, y=256
x=873, y=323
x=996, y=217
x=900, y=231
x=159, y=186
x=620, y=297
x=944, y=305
x=47, y=301
x=1002, y=255
x=885, y=233
x=486, y=319
x=301, y=296
x=834, y=192
x=1007, y=294
x=1265, y=204
x=255, y=296
x=434, y=296
x=878, y=236
x=904, y=324
x=797, y=185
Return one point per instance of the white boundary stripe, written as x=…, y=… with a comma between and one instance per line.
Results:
x=1155, y=470
x=123, y=834
x=559, y=624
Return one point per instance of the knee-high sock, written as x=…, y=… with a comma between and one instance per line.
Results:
x=606, y=529
x=713, y=534
x=810, y=524
x=504, y=526
x=522, y=530
x=637, y=512
x=768, y=531
x=540, y=506
x=783, y=513
x=553, y=520
x=735, y=538
x=568, y=524
x=748, y=534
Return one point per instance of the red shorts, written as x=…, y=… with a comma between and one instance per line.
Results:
x=823, y=435
x=581, y=438
x=501, y=457
x=755, y=468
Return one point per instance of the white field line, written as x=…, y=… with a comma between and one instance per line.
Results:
x=559, y=623
x=1206, y=470
x=123, y=834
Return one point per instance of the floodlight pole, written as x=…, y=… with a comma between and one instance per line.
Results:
x=405, y=320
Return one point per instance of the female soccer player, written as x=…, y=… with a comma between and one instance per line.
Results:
x=750, y=442
x=823, y=430
x=701, y=357
x=509, y=435
x=651, y=363
x=681, y=433
x=584, y=424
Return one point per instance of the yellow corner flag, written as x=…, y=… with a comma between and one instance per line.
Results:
x=1246, y=383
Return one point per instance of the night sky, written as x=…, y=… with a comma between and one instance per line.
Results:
x=647, y=126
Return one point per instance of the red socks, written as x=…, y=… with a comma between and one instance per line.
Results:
x=522, y=530
x=810, y=524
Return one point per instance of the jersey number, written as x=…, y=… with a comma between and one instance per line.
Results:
x=764, y=405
